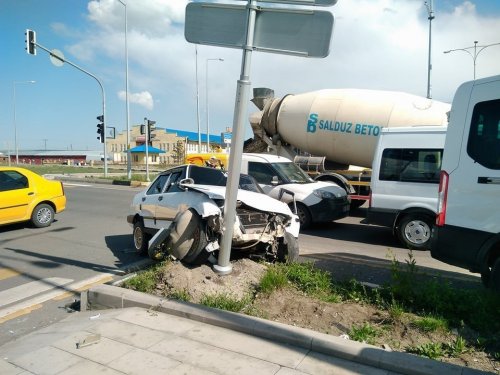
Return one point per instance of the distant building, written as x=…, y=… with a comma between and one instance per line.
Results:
x=38, y=157
x=164, y=140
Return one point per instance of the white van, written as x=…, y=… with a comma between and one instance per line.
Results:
x=467, y=231
x=279, y=177
x=404, y=184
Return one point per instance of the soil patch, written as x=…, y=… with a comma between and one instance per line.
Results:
x=292, y=307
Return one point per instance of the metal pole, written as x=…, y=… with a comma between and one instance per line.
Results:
x=206, y=98
x=474, y=58
x=223, y=265
x=197, y=99
x=430, y=17
x=147, y=147
x=103, y=98
x=129, y=161
x=15, y=118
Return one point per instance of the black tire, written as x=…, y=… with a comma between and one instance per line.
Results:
x=141, y=238
x=495, y=276
x=188, y=238
x=304, y=216
x=42, y=216
x=414, y=231
x=288, y=252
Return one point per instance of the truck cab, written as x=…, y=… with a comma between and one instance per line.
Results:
x=280, y=178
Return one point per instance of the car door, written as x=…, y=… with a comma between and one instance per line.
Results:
x=151, y=198
x=169, y=201
x=15, y=196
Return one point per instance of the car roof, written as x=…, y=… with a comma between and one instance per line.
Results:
x=265, y=157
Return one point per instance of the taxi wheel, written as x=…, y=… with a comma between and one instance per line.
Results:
x=42, y=216
x=141, y=238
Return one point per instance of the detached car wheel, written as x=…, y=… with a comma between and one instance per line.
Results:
x=188, y=238
x=42, y=216
x=288, y=252
x=141, y=238
x=414, y=231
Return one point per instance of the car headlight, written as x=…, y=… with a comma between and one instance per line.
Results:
x=324, y=194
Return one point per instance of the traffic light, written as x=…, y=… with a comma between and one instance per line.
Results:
x=100, y=128
x=30, y=41
x=151, y=126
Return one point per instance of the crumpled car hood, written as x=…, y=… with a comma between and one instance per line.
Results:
x=258, y=201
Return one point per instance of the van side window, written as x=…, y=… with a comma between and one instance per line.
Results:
x=411, y=165
x=484, y=137
x=262, y=173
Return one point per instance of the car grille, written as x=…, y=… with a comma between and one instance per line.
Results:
x=251, y=219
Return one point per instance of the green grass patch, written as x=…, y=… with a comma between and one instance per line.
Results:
x=225, y=302
x=430, y=323
x=145, y=281
x=274, y=278
x=432, y=350
x=364, y=333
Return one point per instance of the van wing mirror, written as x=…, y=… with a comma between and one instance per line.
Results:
x=274, y=181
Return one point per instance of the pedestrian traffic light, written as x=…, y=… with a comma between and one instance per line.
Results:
x=100, y=128
x=30, y=41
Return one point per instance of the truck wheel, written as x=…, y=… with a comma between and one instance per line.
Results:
x=42, y=216
x=495, y=276
x=141, y=238
x=414, y=231
x=288, y=252
x=304, y=216
x=188, y=238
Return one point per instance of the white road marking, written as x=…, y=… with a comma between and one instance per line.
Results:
x=30, y=289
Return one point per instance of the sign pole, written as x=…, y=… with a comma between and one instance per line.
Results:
x=223, y=265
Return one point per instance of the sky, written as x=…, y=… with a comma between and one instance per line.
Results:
x=376, y=44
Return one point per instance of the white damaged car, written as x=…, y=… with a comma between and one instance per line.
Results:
x=181, y=214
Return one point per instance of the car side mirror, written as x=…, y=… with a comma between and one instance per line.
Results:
x=185, y=181
x=275, y=181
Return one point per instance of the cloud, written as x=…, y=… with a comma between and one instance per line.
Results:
x=144, y=99
x=376, y=44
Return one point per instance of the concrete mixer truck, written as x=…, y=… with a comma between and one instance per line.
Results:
x=332, y=134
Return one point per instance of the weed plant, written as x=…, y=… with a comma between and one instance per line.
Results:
x=145, y=281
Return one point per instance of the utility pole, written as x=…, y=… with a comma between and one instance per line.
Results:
x=430, y=17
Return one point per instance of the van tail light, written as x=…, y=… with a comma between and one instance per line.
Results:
x=444, y=178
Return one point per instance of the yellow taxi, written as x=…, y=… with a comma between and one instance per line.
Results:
x=27, y=196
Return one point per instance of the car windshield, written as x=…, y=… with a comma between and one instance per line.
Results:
x=207, y=176
x=248, y=183
x=291, y=173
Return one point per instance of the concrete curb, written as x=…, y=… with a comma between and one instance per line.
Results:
x=92, y=180
x=107, y=296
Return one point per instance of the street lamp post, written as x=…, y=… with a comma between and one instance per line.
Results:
x=430, y=17
x=475, y=53
x=206, y=98
x=129, y=161
x=15, y=123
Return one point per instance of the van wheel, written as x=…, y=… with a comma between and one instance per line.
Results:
x=414, y=231
x=495, y=276
x=288, y=252
x=304, y=216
